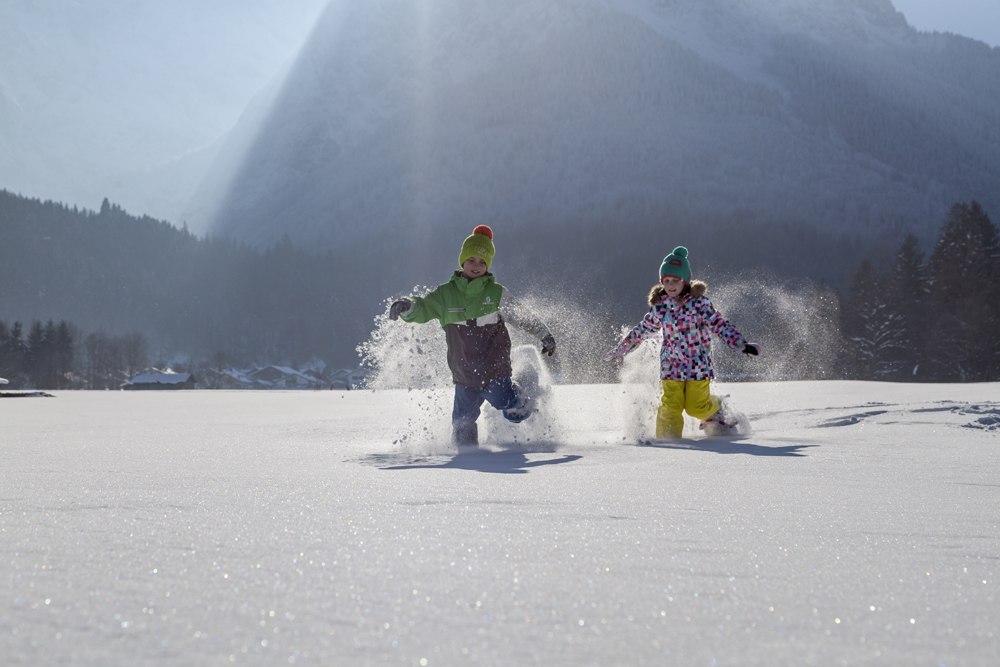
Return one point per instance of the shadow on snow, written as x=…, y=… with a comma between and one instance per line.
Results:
x=722, y=446
x=503, y=462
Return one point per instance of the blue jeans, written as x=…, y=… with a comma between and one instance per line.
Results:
x=501, y=393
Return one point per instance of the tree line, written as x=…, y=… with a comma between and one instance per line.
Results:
x=934, y=320
x=55, y=355
x=144, y=290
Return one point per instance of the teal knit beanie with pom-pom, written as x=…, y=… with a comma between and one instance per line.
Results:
x=676, y=264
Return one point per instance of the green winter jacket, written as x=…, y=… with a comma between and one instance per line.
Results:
x=477, y=337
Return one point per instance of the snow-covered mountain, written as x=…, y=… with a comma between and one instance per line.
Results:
x=407, y=117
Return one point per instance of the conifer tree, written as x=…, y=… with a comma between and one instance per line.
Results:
x=12, y=355
x=63, y=353
x=964, y=311
x=35, y=352
x=872, y=331
x=906, y=296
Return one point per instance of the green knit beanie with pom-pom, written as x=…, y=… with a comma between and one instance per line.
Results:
x=676, y=264
x=478, y=244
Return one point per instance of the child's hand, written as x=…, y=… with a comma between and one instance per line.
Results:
x=548, y=345
x=751, y=350
x=614, y=355
x=398, y=308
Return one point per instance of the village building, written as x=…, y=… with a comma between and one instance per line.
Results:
x=283, y=377
x=348, y=378
x=154, y=378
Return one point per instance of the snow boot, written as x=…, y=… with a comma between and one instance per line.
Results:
x=727, y=421
x=716, y=425
x=522, y=409
x=465, y=436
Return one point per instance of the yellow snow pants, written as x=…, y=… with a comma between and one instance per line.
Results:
x=679, y=396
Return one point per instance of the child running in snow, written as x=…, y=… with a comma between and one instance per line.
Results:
x=473, y=310
x=680, y=309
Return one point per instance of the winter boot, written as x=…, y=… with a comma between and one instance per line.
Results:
x=521, y=410
x=465, y=435
x=726, y=421
x=715, y=425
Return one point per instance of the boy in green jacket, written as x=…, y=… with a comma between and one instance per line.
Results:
x=472, y=308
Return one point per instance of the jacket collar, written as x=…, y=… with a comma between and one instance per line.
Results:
x=466, y=286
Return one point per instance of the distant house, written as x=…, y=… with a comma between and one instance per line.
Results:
x=229, y=378
x=154, y=378
x=347, y=378
x=283, y=377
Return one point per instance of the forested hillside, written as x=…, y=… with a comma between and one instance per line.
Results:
x=113, y=272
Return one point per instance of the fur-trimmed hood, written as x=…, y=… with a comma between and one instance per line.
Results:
x=694, y=289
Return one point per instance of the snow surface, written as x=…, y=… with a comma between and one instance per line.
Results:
x=857, y=525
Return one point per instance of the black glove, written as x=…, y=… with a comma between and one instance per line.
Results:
x=548, y=345
x=398, y=308
x=751, y=349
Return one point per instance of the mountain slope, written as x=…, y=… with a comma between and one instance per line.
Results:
x=424, y=117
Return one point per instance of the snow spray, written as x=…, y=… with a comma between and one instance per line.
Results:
x=412, y=359
x=795, y=326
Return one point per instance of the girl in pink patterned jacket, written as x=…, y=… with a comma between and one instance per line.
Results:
x=680, y=309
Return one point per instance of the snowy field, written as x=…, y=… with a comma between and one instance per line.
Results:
x=858, y=524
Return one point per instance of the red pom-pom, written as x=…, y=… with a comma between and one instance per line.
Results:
x=484, y=230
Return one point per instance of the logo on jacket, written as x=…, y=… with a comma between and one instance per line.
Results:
x=488, y=301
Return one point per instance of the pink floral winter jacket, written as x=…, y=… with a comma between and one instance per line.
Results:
x=687, y=325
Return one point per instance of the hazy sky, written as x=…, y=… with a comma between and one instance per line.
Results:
x=979, y=19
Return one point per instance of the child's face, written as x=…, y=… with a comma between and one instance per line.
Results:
x=474, y=267
x=673, y=285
